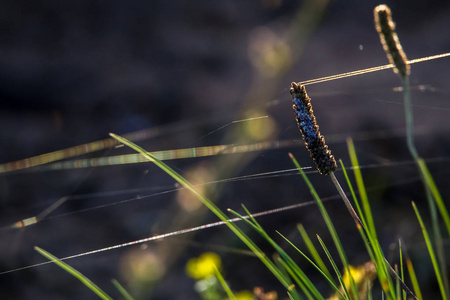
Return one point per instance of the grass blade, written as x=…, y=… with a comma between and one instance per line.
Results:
x=435, y=192
x=210, y=205
x=431, y=252
x=361, y=188
x=224, y=284
x=306, y=286
x=336, y=269
x=86, y=281
x=401, y=265
x=413, y=277
x=327, y=276
x=122, y=290
x=312, y=249
x=328, y=222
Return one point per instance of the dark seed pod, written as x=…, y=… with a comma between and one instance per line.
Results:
x=389, y=39
x=315, y=142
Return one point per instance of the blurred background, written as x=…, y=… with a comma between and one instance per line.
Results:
x=183, y=74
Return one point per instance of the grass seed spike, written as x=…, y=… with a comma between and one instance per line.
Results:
x=389, y=39
x=315, y=142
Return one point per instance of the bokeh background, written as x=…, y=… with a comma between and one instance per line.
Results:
x=183, y=72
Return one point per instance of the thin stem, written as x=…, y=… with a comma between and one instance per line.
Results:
x=432, y=205
x=360, y=224
x=346, y=201
x=409, y=119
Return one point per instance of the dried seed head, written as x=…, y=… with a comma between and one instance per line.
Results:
x=389, y=39
x=314, y=141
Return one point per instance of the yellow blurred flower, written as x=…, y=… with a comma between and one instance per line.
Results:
x=363, y=276
x=203, y=266
x=244, y=295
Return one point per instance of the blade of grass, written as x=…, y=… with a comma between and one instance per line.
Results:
x=328, y=222
x=86, y=281
x=371, y=245
x=397, y=284
x=362, y=230
x=224, y=284
x=428, y=182
x=327, y=276
x=401, y=265
x=382, y=265
x=361, y=188
x=413, y=277
x=435, y=191
x=312, y=249
x=431, y=252
x=360, y=225
x=306, y=282
x=336, y=269
x=352, y=191
x=369, y=291
x=210, y=205
x=122, y=290
x=432, y=192
x=294, y=276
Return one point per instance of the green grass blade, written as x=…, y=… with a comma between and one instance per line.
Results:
x=369, y=291
x=295, y=277
x=122, y=290
x=310, y=288
x=327, y=276
x=401, y=265
x=377, y=255
x=397, y=284
x=352, y=191
x=336, y=269
x=413, y=277
x=359, y=225
x=328, y=222
x=210, y=205
x=430, y=187
x=435, y=192
x=312, y=249
x=431, y=252
x=224, y=284
x=361, y=188
x=86, y=281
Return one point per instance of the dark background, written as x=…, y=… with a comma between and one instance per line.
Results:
x=73, y=71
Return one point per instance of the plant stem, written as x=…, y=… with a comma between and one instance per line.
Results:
x=432, y=206
x=360, y=224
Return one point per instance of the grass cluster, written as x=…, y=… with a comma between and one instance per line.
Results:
x=397, y=280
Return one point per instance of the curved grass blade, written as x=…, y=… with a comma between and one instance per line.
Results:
x=327, y=276
x=361, y=188
x=328, y=222
x=224, y=284
x=435, y=191
x=305, y=282
x=312, y=249
x=86, y=281
x=122, y=290
x=401, y=266
x=211, y=206
x=336, y=269
x=413, y=277
x=352, y=191
x=383, y=266
x=431, y=252
x=294, y=276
